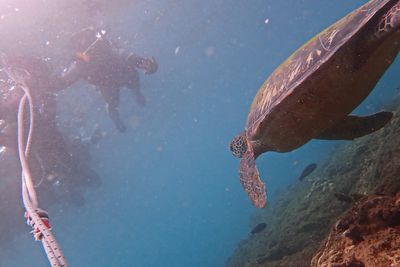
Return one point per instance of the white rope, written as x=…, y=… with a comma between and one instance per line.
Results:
x=29, y=197
x=27, y=180
x=50, y=245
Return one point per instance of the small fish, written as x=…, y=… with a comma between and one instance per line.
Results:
x=258, y=228
x=307, y=171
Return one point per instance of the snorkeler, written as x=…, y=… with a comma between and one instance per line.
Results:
x=107, y=67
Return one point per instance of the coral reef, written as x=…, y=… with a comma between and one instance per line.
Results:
x=366, y=235
x=301, y=218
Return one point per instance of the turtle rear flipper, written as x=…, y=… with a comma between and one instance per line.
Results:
x=354, y=126
x=250, y=180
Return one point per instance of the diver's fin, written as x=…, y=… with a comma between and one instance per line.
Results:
x=250, y=180
x=354, y=126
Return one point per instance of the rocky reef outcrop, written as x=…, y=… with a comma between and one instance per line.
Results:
x=368, y=234
x=357, y=172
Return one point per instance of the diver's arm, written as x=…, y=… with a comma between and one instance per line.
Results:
x=69, y=76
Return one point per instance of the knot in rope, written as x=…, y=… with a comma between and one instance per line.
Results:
x=44, y=217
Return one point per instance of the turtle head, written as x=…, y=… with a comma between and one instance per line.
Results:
x=239, y=145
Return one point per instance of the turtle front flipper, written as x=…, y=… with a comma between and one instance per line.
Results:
x=354, y=126
x=250, y=180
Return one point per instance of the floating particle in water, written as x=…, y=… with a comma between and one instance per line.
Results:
x=177, y=50
x=210, y=51
x=47, y=42
x=16, y=9
x=266, y=21
x=51, y=177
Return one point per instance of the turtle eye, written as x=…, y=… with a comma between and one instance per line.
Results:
x=238, y=146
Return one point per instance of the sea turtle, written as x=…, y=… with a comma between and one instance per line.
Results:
x=312, y=93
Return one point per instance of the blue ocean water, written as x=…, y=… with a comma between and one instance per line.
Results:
x=170, y=193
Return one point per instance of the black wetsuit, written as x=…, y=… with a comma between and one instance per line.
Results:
x=50, y=157
x=108, y=69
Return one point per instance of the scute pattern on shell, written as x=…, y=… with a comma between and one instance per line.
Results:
x=304, y=62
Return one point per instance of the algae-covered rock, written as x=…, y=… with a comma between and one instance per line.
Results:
x=366, y=235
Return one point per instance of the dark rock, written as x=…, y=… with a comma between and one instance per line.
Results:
x=371, y=231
